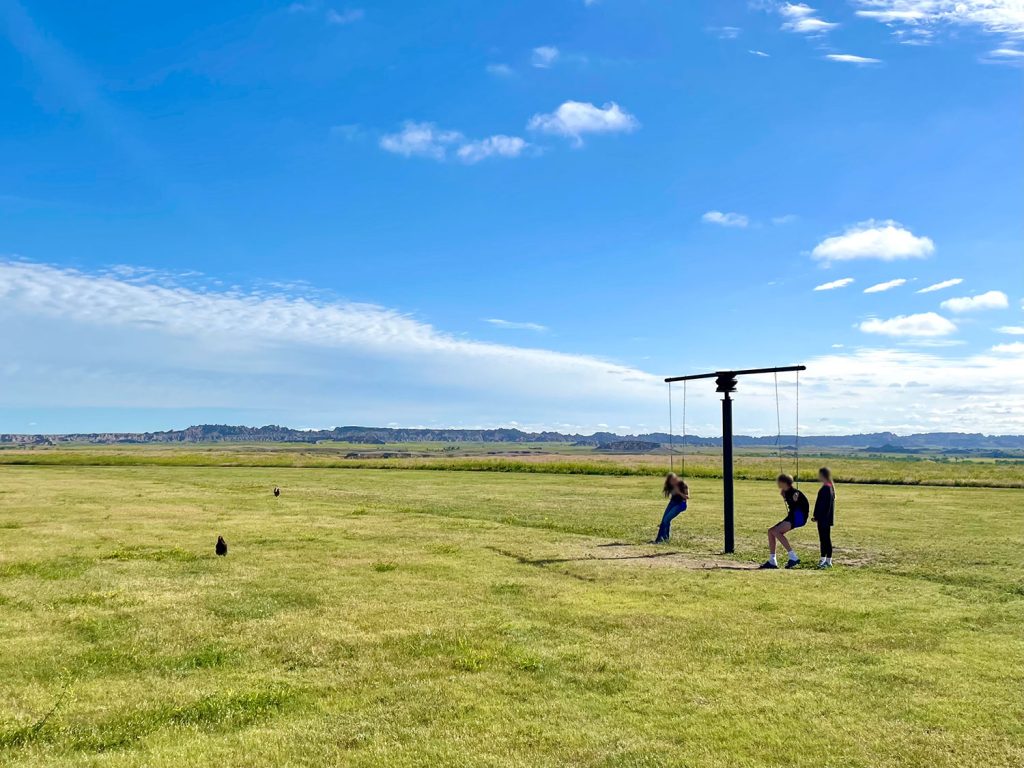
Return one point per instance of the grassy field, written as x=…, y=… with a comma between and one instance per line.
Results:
x=545, y=458
x=408, y=618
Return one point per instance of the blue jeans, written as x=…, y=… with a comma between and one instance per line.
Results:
x=671, y=512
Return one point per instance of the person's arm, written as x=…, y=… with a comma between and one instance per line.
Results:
x=821, y=505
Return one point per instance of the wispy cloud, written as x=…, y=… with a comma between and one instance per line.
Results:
x=575, y=119
x=803, y=19
x=940, y=286
x=840, y=283
x=1013, y=348
x=86, y=340
x=926, y=324
x=420, y=140
x=544, y=56
x=500, y=70
x=994, y=16
x=725, y=33
x=762, y=54
x=788, y=218
x=988, y=300
x=849, y=58
x=492, y=146
x=1013, y=330
x=347, y=16
x=885, y=240
x=1011, y=56
x=888, y=285
x=515, y=325
x=75, y=340
x=730, y=219
x=427, y=140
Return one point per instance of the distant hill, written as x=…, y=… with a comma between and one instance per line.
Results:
x=628, y=446
x=222, y=433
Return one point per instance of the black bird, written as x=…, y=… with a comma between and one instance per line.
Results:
x=277, y=491
x=222, y=546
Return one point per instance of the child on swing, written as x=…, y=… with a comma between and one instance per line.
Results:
x=678, y=492
x=799, y=509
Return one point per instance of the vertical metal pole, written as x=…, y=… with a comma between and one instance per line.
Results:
x=727, y=488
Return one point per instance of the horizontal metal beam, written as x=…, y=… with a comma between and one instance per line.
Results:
x=744, y=372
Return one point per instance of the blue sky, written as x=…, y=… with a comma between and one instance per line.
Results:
x=482, y=214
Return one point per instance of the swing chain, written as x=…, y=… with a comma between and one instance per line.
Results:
x=671, y=446
x=797, y=443
x=682, y=458
x=778, y=426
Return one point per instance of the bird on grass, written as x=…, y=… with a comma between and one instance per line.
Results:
x=222, y=547
x=277, y=491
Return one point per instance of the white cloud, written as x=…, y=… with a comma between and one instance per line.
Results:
x=888, y=17
x=727, y=33
x=802, y=19
x=492, y=146
x=840, y=283
x=544, y=56
x=944, y=284
x=796, y=10
x=885, y=240
x=1006, y=53
x=427, y=140
x=994, y=16
x=573, y=119
x=910, y=391
x=809, y=26
x=1013, y=330
x=1013, y=348
x=95, y=341
x=927, y=324
x=759, y=53
x=74, y=340
x=500, y=70
x=347, y=16
x=725, y=219
x=513, y=325
x=788, y=218
x=888, y=285
x=988, y=300
x=849, y=58
x=421, y=140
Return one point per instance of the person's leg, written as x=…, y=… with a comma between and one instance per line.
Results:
x=828, y=544
x=780, y=533
x=775, y=535
x=665, y=529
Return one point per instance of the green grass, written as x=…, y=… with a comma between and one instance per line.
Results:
x=406, y=618
x=560, y=459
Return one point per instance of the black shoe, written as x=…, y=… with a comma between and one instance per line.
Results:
x=792, y=563
x=768, y=565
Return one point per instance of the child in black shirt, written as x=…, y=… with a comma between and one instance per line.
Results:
x=825, y=515
x=798, y=510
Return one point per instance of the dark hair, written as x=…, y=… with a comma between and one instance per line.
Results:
x=784, y=478
x=826, y=473
x=670, y=484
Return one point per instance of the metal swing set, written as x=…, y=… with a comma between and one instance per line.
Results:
x=726, y=382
